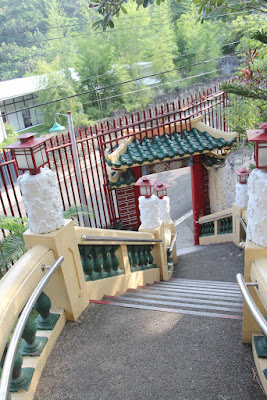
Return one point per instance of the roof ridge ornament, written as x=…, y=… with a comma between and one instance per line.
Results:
x=215, y=133
x=115, y=155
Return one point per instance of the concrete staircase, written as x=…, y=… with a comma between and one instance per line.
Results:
x=183, y=296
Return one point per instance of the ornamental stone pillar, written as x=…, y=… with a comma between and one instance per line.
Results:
x=42, y=201
x=257, y=207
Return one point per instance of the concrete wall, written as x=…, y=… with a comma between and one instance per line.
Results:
x=222, y=179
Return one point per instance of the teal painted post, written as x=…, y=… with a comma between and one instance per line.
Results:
x=31, y=344
x=45, y=320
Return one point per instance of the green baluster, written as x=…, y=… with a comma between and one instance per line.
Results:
x=145, y=255
x=220, y=227
x=151, y=259
x=21, y=377
x=31, y=345
x=141, y=258
x=45, y=320
x=231, y=224
x=83, y=260
x=135, y=257
x=99, y=267
x=115, y=261
x=89, y=261
x=130, y=256
x=107, y=261
x=211, y=228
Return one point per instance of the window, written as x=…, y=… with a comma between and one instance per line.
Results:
x=27, y=118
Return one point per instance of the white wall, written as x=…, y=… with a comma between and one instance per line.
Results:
x=222, y=180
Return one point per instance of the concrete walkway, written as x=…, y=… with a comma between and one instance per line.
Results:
x=128, y=354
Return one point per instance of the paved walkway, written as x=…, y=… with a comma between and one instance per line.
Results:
x=121, y=353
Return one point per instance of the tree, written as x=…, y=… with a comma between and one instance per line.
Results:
x=108, y=9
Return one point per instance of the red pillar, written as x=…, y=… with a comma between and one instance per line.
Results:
x=198, y=198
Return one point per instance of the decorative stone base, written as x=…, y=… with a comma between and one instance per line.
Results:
x=164, y=209
x=257, y=207
x=149, y=214
x=42, y=202
x=241, y=195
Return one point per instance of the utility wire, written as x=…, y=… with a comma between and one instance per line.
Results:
x=226, y=14
x=148, y=66
x=85, y=34
x=105, y=33
x=116, y=84
x=155, y=86
x=36, y=29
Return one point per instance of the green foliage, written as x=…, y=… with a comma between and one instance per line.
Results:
x=109, y=9
x=12, y=247
x=10, y=130
x=202, y=43
x=59, y=84
x=242, y=113
x=241, y=90
x=77, y=210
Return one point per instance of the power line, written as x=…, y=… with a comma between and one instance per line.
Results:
x=227, y=14
x=68, y=26
x=155, y=86
x=154, y=61
x=83, y=34
x=116, y=84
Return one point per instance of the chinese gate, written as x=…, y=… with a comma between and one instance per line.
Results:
x=110, y=205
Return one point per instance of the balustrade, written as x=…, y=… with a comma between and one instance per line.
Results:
x=225, y=225
x=207, y=228
x=140, y=257
x=100, y=261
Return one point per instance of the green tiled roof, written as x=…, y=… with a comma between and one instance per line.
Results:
x=126, y=178
x=162, y=147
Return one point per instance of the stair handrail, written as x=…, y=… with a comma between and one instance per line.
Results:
x=209, y=218
x=173, y=242
x=14, y=342
x=117, y=239
x=242, y=223
x=255, y=312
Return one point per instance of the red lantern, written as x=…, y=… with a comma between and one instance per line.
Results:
x=146, y=185
x=242, y=175
x=259, y=137
x=29, y=152
x=161, y=189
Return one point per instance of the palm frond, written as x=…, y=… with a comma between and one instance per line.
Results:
x=77, y=210
x=261, y=36
x=14, y=224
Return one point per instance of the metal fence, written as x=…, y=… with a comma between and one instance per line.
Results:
x=91, y=144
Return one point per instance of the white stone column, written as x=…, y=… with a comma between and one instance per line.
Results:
x=42, y=201
x=257, y=207
x=241, y=194
x=164, y=209
x=149, y=212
